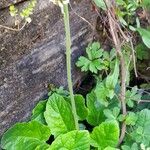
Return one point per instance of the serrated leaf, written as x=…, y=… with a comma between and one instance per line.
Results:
x=83, y=62
x=73, y=140
x=95, y=114
x=145, y=34
x=106, y=134
x=142, y=128
x=93, y=51
x=38, y=112
x=131, y=118
x=26, y=136
x=58, y=115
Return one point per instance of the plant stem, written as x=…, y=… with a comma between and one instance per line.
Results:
x=68, y=63
x=116, y=40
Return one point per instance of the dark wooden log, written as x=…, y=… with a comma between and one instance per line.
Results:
x=34, y=57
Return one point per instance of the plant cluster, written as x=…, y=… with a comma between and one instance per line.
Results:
x=111, y=116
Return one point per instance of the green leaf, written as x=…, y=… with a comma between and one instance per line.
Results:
x=74, y=140
x=93, y=51
x=108, y=114
x=58, y=115
x=82, y=111
x=83, y=62
x=110, y=148
x=142, y=52
x=106, y=134
x=26, y=136
x=131, y=118
x=101, y=93
x=141, y=134
x=101, y=4
x=94, y=62
x=145, y=34
x=95, y=114
x=112, y=79
x=133, y=147
x=38, y=112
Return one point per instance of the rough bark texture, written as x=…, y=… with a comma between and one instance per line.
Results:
x=35, y=56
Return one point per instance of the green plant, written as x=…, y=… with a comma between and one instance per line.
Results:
x=97, y=59
x=109, y=118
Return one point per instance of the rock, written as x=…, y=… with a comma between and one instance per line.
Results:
x=35, y=56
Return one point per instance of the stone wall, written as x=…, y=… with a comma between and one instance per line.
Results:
x=35, y=56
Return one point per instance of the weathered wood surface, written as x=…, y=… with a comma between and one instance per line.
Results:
x=35, y=56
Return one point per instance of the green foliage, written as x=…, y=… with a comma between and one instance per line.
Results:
x=101, y=111
x=95, y=108
x=95, y=60
x=82, y=111
x=25, y=12
x=73, y=140
x=141, y=132
x=55, y=115
x=132, y=96
x=142, y=52
x=13, y=10
x=145, y=34
x=106, y=89
x=26, y=136
x=100, y=3
x=106, y=134
x=131, y=118
x=112, y=114
x=38, y=112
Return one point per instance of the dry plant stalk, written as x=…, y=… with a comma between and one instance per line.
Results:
x=114, y=33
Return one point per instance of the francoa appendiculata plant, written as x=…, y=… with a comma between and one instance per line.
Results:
x=101, y=109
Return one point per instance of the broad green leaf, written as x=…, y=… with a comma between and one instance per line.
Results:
x=58, y=115
x=101, y=4
x=145, y=34
x=102, y=93
x=106, y=134
x=95, y=114
x=38, y=112
x=26, y=136
x=82, y=111
x=112, y=79
x=73, y=140
x=141, y=134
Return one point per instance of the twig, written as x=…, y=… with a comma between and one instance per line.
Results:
x=13, y=29
x=113, y=31
x=133, y=56
x=144, y=101
x=85, y=20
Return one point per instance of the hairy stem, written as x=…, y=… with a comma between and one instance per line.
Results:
x=68, y=63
